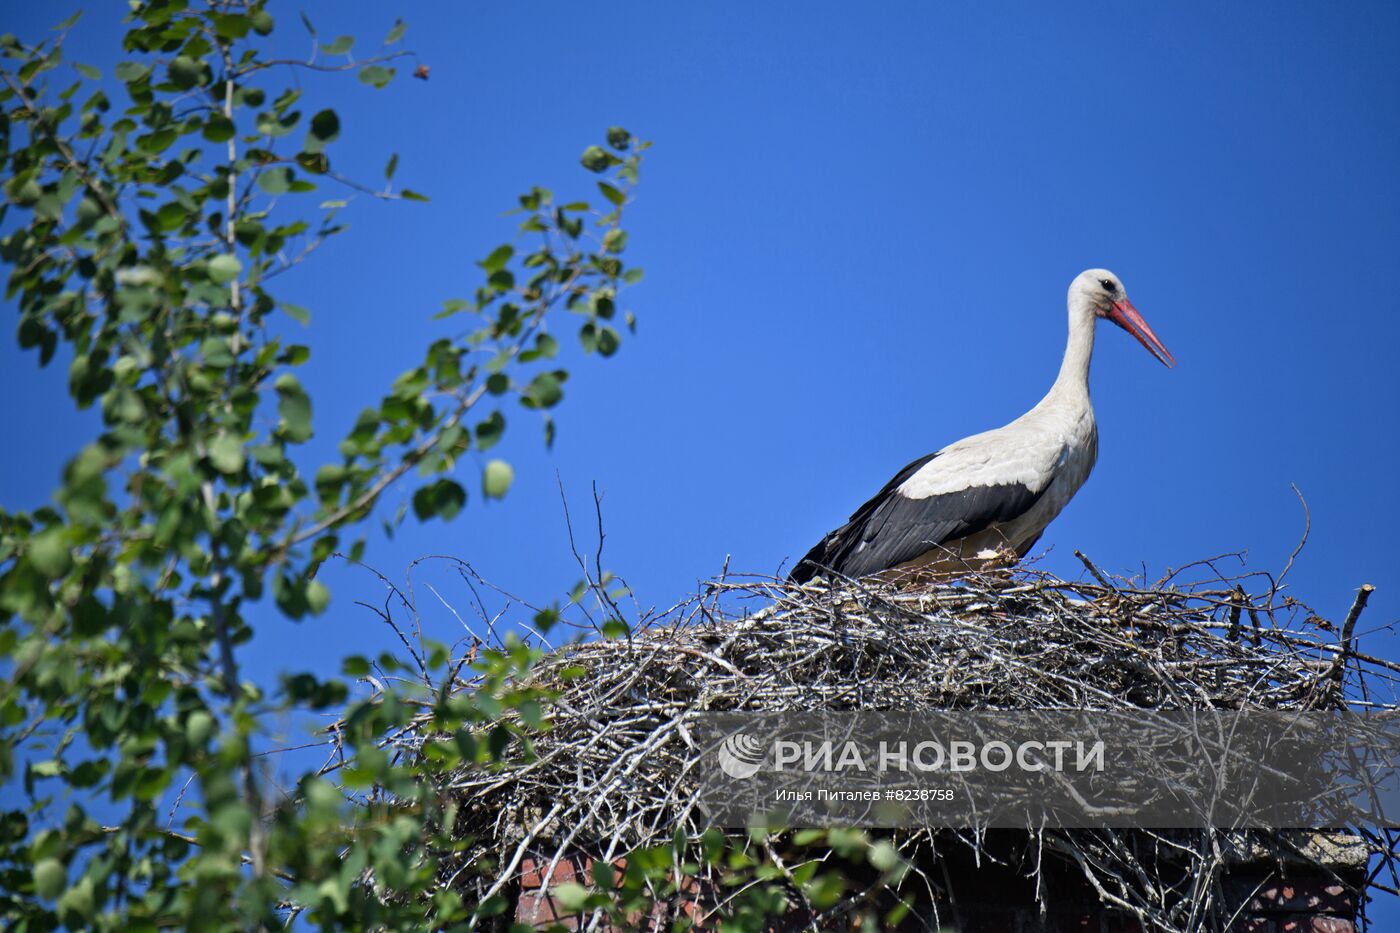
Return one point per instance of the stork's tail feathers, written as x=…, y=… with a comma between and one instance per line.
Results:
x=814, y=563
x=803, y=572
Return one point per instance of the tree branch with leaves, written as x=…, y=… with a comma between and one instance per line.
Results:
x=140, y=236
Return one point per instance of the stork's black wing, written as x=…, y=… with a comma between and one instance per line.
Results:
x=892, y=528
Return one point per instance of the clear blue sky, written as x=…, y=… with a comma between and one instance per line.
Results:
x=858, y=223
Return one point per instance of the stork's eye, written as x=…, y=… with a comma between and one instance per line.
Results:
x=1108, y=285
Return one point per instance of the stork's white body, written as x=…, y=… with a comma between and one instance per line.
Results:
x=994, y=493
x=1050, y=450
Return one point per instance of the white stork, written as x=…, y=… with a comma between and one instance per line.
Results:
x=990, y=496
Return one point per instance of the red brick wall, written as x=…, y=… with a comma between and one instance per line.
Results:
x=1304, y=903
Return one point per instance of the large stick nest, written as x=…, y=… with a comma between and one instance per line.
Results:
x=614, y=769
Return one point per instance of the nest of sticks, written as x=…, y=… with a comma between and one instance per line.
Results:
x=612, y=771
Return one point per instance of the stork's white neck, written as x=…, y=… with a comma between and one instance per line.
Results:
x=1074, y=370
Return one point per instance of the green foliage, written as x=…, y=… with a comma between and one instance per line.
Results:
x=802, y=879
x=140, y=236
x=142, y=227
x=496, y=479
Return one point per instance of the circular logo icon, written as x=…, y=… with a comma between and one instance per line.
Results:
x=741, y=755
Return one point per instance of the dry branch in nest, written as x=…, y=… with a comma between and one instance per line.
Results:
x=614, y=771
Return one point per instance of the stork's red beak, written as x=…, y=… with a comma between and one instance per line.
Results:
x=1126, y=316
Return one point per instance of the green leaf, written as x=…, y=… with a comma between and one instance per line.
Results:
x=408, y=194
x=391, y=167
x=294, y=406
x=597, y=159
x=547, y=618
x=219, y=129
x=340, y=46
x=325, y=127
x=185, y=71
x=453, y=306
x=396, y=33
x=232, y=25
x=496, y=479
x=224, y=268
x=312, y=159
x=45, y=769
x=443, y=498
x=157, y=142
x=49, y=553
x=608, y=341
x=546, y=346
x=489, y=432
x=226, y=453
x=276, y=180
x=544, y=391
x=884, y=856
x=614, y=241
x=87, y=71
x=199, y=725
x=50, y=878
x=318, y=597
x=132, y=72
x=619, y=138
x=376, y=75
x=498, y=258
x=297, y=313
x=604, y=875
x=571, y=896
x=611, y=193
x=171, y=216
x=277, y=123
x=78, y=903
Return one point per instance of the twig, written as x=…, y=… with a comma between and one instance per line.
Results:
x=1363, y=595
x=1103, y=581
x=1307, y=527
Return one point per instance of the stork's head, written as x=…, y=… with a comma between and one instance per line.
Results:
x=1103, y=292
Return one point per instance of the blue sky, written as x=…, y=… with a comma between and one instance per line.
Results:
x=858, y=223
